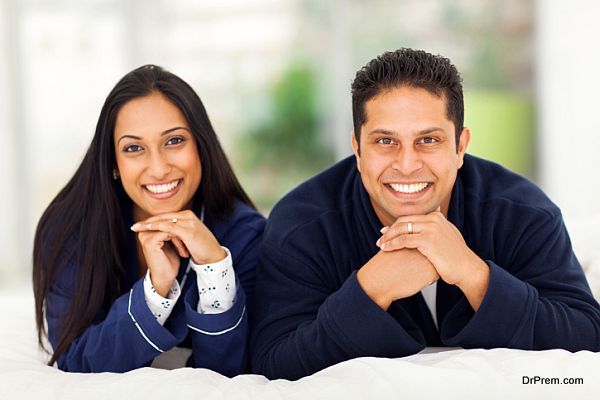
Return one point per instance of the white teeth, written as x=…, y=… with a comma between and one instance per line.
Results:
x=164, y=188
x=412, y=188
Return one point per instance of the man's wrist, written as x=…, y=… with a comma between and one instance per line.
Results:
x=376, y=295
x=475, y=282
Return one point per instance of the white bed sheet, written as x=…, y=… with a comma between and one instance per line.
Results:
x=449, y=374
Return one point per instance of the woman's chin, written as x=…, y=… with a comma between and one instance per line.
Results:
x=162, y=211
x=142, y=213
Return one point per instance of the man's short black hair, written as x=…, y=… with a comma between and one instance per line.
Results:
x=413, y=68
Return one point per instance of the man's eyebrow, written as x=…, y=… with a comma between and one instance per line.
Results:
x=382, y=132
x=418, y=133
x=429, y=130
x=162, y=133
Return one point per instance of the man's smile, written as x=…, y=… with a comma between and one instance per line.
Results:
x=409, y=188
x=409, y=191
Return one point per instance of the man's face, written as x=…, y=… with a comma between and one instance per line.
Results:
x=408, y=160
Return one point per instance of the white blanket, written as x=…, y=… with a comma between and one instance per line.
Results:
x=441, y=373
x=438, y=373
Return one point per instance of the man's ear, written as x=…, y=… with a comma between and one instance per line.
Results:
x=355, y=149
x=463, y=143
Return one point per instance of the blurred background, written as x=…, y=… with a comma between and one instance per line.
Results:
x=275, y=78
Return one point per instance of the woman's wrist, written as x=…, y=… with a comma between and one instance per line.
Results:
x=161, y=285
x=214, y=255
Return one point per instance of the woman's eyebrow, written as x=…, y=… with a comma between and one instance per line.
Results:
x=162, y=134
x=129, y=136
x=174, y=129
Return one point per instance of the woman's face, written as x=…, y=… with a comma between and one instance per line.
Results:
x=157, y=156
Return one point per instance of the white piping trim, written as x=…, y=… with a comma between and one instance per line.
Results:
x=184, y=279
x=224, y=330
x=138, y=326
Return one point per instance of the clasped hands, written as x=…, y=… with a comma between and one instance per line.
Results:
x=417, y=250
x=166, y=237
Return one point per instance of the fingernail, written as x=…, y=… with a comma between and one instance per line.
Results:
x=135, y=226
x=148, y=226
x=378, y=242
x=382, y=246
x=384, y=229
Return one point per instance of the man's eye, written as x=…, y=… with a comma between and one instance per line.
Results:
x=385, y=140
x=175, y=140
x=428, y=140
x=133, y=148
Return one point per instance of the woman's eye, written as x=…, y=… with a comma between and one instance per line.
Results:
x=132, y=148
x=175, y=140
x=385, y=140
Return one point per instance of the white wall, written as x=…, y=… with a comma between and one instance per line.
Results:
x=60, y=58
x=568, y=103
x=11, y=248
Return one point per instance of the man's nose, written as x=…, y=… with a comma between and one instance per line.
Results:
x=407, y=161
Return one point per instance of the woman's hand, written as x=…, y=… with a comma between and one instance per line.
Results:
x=188, y=234
x=162, y=257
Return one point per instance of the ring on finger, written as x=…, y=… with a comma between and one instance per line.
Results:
x=174, y=220
x=409, y=227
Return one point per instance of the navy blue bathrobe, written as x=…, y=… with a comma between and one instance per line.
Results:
x=125, y=334
x=312, y=313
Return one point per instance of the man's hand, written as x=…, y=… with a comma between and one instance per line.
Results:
x=443, y=245
x=393, y=275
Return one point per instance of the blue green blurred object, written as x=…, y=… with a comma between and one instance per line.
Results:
x=287, y=146
x=501, y=124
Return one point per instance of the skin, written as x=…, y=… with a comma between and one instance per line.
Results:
x=153, y=146
x=407, y=138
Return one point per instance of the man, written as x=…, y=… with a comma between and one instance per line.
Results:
x=413, y=243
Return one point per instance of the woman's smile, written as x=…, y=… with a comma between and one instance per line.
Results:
x=162, y=191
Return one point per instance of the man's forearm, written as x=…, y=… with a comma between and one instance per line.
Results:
x=475, y=283
x=347, y=325
x=395, y=275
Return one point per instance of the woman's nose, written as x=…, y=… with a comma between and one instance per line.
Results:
x=159, y=167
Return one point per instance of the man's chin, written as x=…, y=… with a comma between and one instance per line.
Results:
x=416, y=210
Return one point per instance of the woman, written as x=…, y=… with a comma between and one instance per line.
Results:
x=152, y=244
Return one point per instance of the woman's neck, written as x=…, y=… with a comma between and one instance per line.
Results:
x=138, y=214
x=142, y=265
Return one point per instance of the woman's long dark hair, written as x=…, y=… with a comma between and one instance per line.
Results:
x=92, y=198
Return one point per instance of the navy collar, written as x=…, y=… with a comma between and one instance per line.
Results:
x=371, y=224
x=456, y=208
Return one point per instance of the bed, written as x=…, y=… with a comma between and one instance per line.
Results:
x=436, y=372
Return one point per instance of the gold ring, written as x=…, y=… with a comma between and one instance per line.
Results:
x=410, y=228
x=174, y=220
